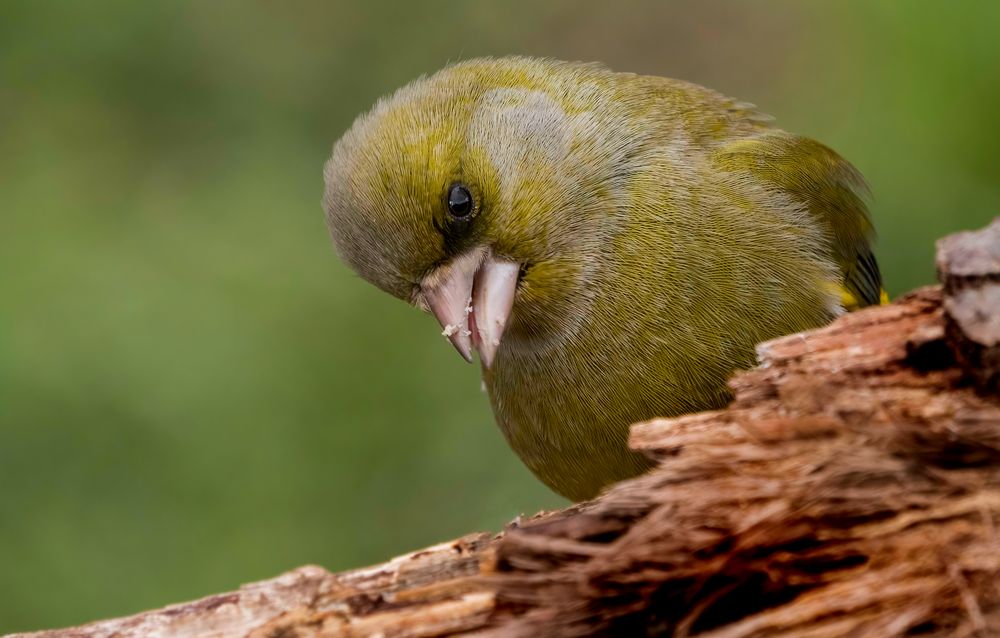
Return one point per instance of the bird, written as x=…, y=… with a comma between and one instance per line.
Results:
x=612, y=245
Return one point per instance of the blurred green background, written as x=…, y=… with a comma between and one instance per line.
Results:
x=195, y=393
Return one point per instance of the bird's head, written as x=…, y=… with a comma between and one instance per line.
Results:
x=479, y=194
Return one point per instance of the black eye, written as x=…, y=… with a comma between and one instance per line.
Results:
x=460, y=202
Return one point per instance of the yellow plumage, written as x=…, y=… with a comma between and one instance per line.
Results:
x=657, y=230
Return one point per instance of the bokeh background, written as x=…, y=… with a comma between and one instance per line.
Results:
x=195, y=393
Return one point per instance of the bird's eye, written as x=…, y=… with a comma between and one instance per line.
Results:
x=460, y=202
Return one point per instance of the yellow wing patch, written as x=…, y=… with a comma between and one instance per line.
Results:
x=851, y=302
x=848, y=300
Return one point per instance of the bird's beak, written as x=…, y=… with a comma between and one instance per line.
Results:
x=472, y=296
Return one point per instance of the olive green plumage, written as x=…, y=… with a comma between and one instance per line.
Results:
x=662, y=230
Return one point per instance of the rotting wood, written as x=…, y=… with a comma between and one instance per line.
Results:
x=969, y=267
x=852, y=488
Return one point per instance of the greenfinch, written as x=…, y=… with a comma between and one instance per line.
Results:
x=611, y=245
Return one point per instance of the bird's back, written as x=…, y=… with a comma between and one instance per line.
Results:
x=740, y=141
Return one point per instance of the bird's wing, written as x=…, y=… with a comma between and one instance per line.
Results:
x=834, y=193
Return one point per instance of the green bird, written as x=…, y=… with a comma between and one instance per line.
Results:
x=612, y=245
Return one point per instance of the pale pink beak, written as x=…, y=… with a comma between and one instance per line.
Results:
x=472, y=296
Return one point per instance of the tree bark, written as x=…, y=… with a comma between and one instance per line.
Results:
x=852, y=488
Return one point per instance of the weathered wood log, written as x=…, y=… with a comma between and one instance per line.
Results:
x=969, y=268
x=852, y=488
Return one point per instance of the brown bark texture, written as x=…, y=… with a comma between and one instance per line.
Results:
x=852, y=488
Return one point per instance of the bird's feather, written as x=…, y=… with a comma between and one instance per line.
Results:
x=834, y=193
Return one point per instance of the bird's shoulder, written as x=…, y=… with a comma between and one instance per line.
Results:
x=830, y=189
